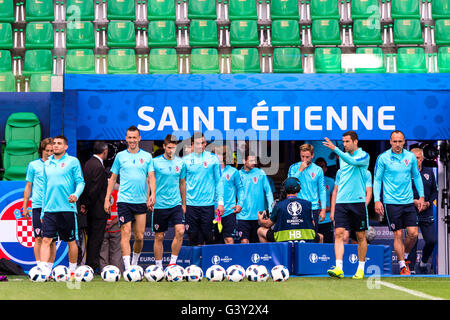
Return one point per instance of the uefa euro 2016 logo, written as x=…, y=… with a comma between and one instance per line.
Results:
x=16, y=231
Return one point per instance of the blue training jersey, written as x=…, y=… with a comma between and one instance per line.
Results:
x=312, y=184
x=258, y=194
x=35, y=175
x=329, y=186
x=168, y=174
x=394, y=172
x=203, y=183
x=133, y=169
x=352, y=180
x=233, y=189
x=61, y=179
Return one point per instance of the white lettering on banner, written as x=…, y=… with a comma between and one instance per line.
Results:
x=382, y=117
x=264, y=118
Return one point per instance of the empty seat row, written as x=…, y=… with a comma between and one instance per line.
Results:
x=84, y=10
x=204, y=33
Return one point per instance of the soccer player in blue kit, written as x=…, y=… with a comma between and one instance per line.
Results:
x=34, y=188
x=170, y=201
x=233, y=194
x=312, y=180
x=203, y=188
x=137, y=180
x=258, y=197
x=350, y=210
x=394, y=171
x=63, y=184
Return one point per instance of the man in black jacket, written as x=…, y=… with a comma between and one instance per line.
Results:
x=92, y=201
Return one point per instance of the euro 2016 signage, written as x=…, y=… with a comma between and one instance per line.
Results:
x=16, y=231
x=258, y=107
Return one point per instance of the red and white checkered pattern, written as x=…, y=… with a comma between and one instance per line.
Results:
x=25, y=232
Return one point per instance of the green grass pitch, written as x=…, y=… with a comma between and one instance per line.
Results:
x=296, y=288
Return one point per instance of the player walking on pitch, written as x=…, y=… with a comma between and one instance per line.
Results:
x=135, y=167
x=394, y=170
x=350, y=211
x=63, y=184
x=170, y=201
x=35, y=188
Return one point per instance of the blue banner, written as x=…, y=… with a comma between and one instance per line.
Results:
x=260, y=107
x=266, y=254
x=16, y=232
x=316, y=259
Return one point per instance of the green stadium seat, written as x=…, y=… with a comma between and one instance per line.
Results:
x=375, y=60
x=367, y=32
x=81, y=61
x=284, y=9
x=444, y=59
x=327, y=60
x=407, y=31
x=79, y=10
x=163, y=61
x=7, y=11
x=203, y=33
x=161, y=10
x=442, y=31
x=411, y=60
x=37, y=61
x=285, y=33
x=121, y=61
x=39, y=35
x=364, y=9
x=244, y=33
x=121, y=10
x=405, y=9
x=121, y=34
x=204, y=61
x=39, y=10
x=440, y=9
x=5, y=61
x=6, y=36
x=324, y=9
x=245, y=60
x=7, y=82
x=202, y=9
x=41, y=83
x=23, y=126
x=16, y=157
x=242, y=10
x=325, y=32
x=287, y=60
x=81, y=36
x=162, y=34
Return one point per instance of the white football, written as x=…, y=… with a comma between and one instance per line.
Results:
x=215, y=273
x=249, y=272
x=174, y=273
x=110, y=273
x=194, y=273
x=235, y=273
x=84, y=274
x=133, y=274
x=153, y=273
x=279, y=273
x=39, y=274
x=61, y=273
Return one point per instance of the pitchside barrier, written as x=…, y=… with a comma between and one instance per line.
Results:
x=299, y=258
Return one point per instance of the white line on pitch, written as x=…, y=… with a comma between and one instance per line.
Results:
x=412, y=292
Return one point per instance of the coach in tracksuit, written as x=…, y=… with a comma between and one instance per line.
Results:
x=425, y=217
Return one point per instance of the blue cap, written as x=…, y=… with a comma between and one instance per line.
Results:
x=292, y=185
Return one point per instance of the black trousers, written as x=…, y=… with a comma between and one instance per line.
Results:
x=95, y=234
